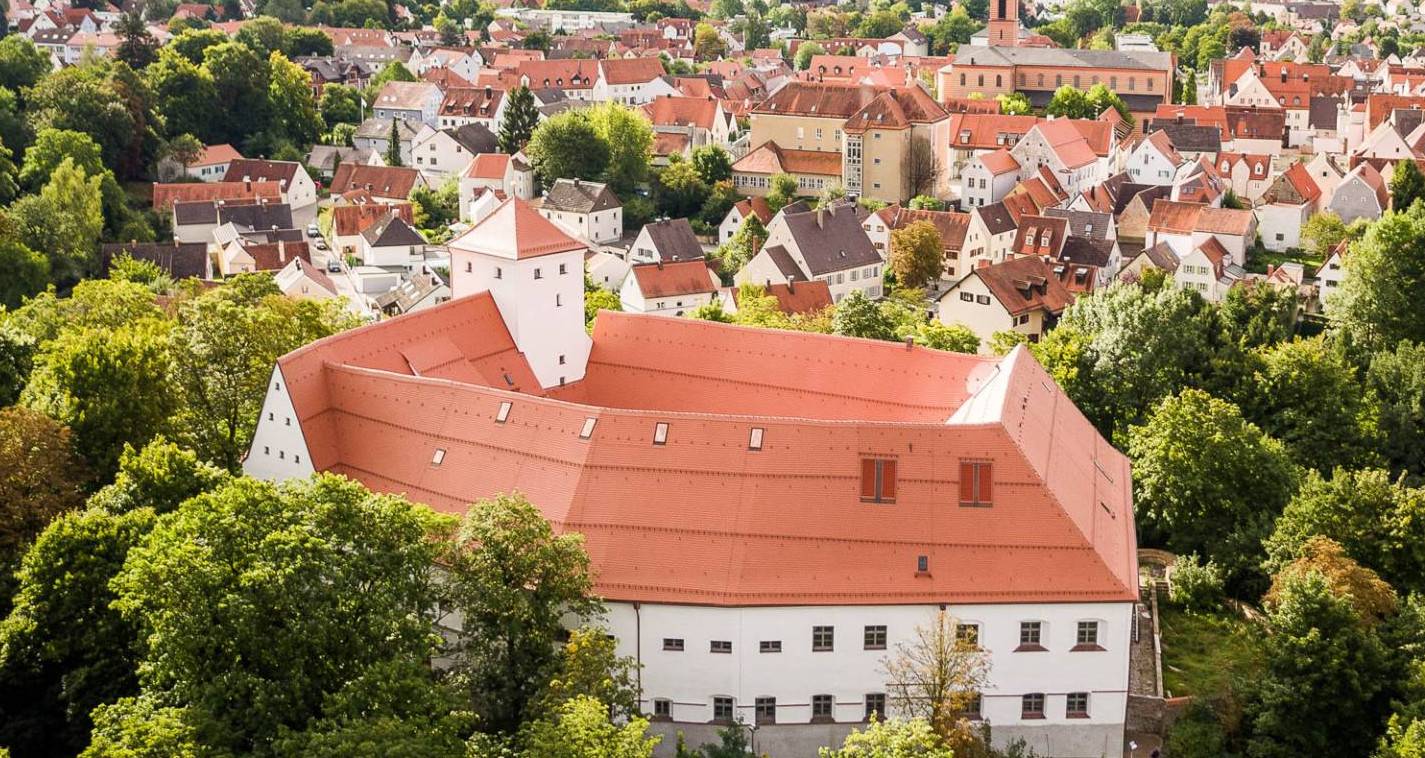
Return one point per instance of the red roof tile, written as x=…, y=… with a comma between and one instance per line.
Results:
x=669, y=279
x=515, y=230
x=165, y=195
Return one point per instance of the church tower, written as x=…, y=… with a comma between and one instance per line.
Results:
x=1004, y=23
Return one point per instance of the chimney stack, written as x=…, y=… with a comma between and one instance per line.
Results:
x=281, y=251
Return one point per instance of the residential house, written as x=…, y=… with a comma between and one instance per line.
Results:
x=1208, y=269
x=826, y=244
x=463, y=63
x=390, y=242
x=666, y=240
x=1362, y=193
x=814, y=170
x=1021, y=295
x=439, y=153
x=374, y=135
x=674, y=289
x=752, y=206
x=298, y=189
x=409, y=101
x=606, y=270
x=1155, y=160
x=1064, y=148
x=302, y=280
x=952, y=226
x=631, y=81
x=702, y=120
x=241, y=255
x=1248, y=176
x=165, y=195
x=1284, y=208
x=891, y=150
x=792, y=297
x=1186, y=226
x=387, y=183
x=1159, y=257
x=211, y=166
x=422, y=290
x=179, y=260
x=987, y=178
x=472, y=105
x=197, y=221
x=325, y=158
x=973, y=134
x=589, y=210
x=349, y=221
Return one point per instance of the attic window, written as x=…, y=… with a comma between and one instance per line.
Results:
x=588, y=430
x=504, y=413
x=438, y=457
x=922, y=564
x=755, y=441
x=878, y=480
x=660, y=433
x=976, y=484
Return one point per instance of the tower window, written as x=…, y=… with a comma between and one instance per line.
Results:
x=660, y=433
x=976, y=483
x=878, y=480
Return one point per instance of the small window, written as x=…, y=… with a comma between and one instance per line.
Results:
x=876, y=637
x=561, y=359
x=266, y=450
x=821, y=707
x=1032, y=706
x=720, y=646
x=754, y=442
x=968, y=297
x=438, y=457
x=1030, y=636
x=1077, y=705
x=722, y=709
x=538, y=274
x=289, y=421
x=878, y=480
x=563, y=268
x=504, y=413
x=766, y=710
x=976, y=485
x=499, y=273
x=673, y=644
x=660, y=433
x=469, y=267
x=922, y=564
x=662, y=708
x=875, y=705
x=558, y=300
x=1087, y=638
x=973, y=705
x=982, y=299
x=281, y=455
x=588, y=430
x=823, y=639
x=968, y=634
x=769, y=646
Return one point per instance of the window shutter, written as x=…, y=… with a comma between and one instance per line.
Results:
x=985, y=484
x=868, y=478
x=967, y=482
x=888, y=480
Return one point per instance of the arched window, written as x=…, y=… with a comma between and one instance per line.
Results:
x=999, y=81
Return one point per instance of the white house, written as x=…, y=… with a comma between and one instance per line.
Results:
x=987, y=178
x=1063, y=149
x=298, y=189
x=1155, y=161
x=1185, y=226
x=826, y=244
x=673, y=289
x=390, y=242
x=752, y=206
x=439, y=153
x=667, y=240
x=589, y=210
x=211, y=166
x=1021, y=295
x=409, y=101
x=1208, y=269
x=1284, y=209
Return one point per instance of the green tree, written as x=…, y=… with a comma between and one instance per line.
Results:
x=707, y=44
x=101, y=383
x=805, y=52
x=340, y=104
x=137, y=47
x=40, y=478
x=713, y=163
x=263, y=35
x=1395, y=396
x=859, y=316
x=1324, y=689
x=917, y=254
x=92, y=304
x=1069, y=102
x=891, y=739
x=955, y=338
x=309, y=586
x=140, y=726
x=22, y=64
x=925, y=203
x=1374, y=302
x=1403, y=739
x=582, y=728
x=1322, y=233
x=679, y=191
x=184, y=149
x=1305, y=394
x=223, y=352
x=395, y=71
x=239, y=76
x=1257, y=315
x=1207, y=480
x=51, y=148
x=193, y=44
x=292, y=113
x=23, y=272
x=952, y=30
x=64, y=220
x=299, y=40
x=512, y=580
x=519, y=121
x=568, y=146
x=591, y=667
x=745, y=244
x=932, y=678
x=783, y=191
x=186, y=95
x=721, y=197
x=1407, y=185
x=87, y=98
x=1013, y=104
x=629, y=136
x=1371, y=598
x=393, y=144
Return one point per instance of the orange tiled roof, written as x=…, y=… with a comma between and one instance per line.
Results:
x=769, y=158
x=670, y=279
x=165, y=195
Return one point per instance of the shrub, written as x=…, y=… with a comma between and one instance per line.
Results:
x=1193, y=585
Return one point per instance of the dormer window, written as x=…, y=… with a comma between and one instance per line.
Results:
x=588, y=430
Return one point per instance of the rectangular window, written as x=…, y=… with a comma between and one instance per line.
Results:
x=968, y=634
x=973, y=705
x=588, y=430
x=538, y=274
x=769, y=646
x=876, y=637
x=875, y=705
x=563, y=268
x=823, y=639
x=662, y=708
x=438, y=457
x=722, y=709
x=673, y=644
x=976, y=486
x=1087, y=638
x=1030, y=635
x=660, y=433
x=982, y=299
x=821, y=707
x=1032, y=706
x=504, y=413
x=720, y=646
x=766, y=710
x=754, y=442
x=878, y=480
x=1077, y=706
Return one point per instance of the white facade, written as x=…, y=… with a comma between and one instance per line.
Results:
x=599, y=226
x=437, y=154
x=1280, y=224
x=981, y=186
x=635, y=93
x=279, y=449
x=691, y=677
x=1148, y=165
x=634, y=301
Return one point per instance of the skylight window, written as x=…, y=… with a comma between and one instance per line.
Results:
x=438, y=457
x=755, y=441
x=660, y=433
x=588, y=430
x=504, y=414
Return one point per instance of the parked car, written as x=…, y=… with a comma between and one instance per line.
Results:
x=313, y=231
x=334, y=266
x=321, y=244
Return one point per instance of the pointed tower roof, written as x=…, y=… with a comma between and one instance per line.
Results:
x=515, y=231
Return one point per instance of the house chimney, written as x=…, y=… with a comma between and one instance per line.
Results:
x=281, y=251
x=982, y=263
x=660, y=262
x=909, y=343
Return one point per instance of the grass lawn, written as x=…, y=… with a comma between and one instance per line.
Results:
x=1202, y=653
x=1259, y=258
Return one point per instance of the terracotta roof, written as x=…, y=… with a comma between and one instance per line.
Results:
x=383, y=181
x=165, y=195
x=348, y=220
x=1040, y=235
x=769, y=158
x=999, y=162
x=274, y=256
x=1067, y=142
x=471, y=102
x=951, y=225
x=1174, y=217
x=576, y=196
x=671, y=279
x=820, y=100
x=796, y=297
x=569, y=74
x=488, y=166
x=1161, y=142
x=631, y=70
x=985, y=131
x=515, y=230
x=406, y=96
x=1025, y=284
x=1232, y=221
x=1212, y=115
x=215, y=154
x=758, y=206
x=683, y=111
x=897, y=108
x=1301, y=181
x=1061, y=529
x=254, y=169
x=671, y=143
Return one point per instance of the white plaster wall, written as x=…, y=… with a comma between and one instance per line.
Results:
x=279, y=450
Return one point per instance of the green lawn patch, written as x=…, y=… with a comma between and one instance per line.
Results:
x=1203, y=652
x=1259, y=258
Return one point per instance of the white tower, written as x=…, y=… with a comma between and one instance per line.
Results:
x=536, y=274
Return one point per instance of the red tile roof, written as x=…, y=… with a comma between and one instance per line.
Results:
x=683, y=111
x=488, y=166
x=796, y=297
x=349, y=220
x=383, y=181
x=999, y=162
x=769, y=158
x=669, y=279
x=631, y=70
x=215, y=154
x=1025, y=284
x=516, y=230
x=165, y=195
x=701, y=519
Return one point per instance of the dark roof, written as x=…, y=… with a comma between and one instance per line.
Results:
x=1025, y=284
x=1149, y=193
x=831, y=239
x=180, y=260
x=475, y=138
x=1087, y=252
x=996, y=218
x=1083, y=223
x=392, y=230
x=1194, y=138
x=578, y=196
x=674, y=240
x=409, y=292
x=257, y=216
x=249, y=169
x=783, y=261
x=381, y=181
x=1322, y=112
